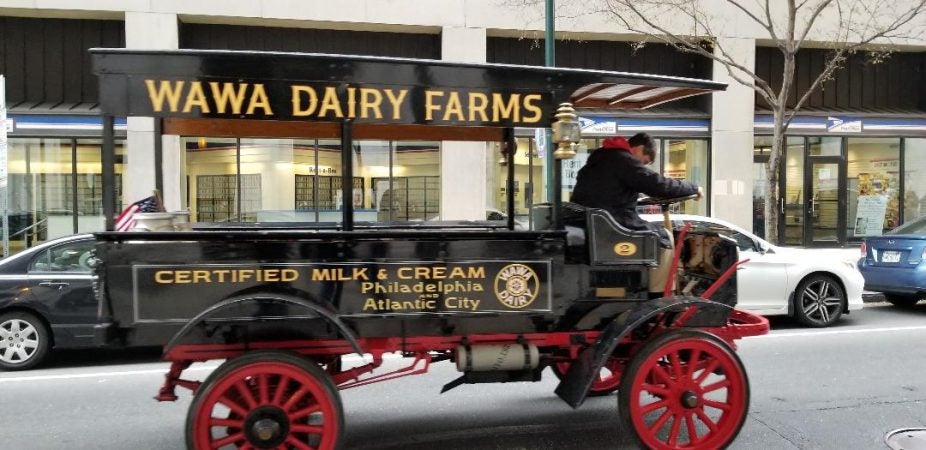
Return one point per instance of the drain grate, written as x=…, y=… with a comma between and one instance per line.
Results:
x=907, y=439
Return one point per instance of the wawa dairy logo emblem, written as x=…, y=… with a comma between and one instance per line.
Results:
x=516, y=286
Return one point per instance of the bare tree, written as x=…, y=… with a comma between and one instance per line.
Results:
x=841, y=26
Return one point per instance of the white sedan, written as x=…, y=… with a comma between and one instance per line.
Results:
x=815, y=286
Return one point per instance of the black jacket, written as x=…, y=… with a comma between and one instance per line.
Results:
x=613, y=179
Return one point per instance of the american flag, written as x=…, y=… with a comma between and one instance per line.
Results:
x=126, y=219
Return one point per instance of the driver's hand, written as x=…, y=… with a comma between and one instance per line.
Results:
x=700, y=193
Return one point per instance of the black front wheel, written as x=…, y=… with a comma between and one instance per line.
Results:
x=24, y=341
x=819, y=301
x=902, y=300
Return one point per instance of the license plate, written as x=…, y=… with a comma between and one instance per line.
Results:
x=890, y=257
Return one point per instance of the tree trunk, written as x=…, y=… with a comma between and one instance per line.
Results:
x=773, y=201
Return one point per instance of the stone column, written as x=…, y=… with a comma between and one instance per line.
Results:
x=151, y=31
x=463, y=164
x=732, y=139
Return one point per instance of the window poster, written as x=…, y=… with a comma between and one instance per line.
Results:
x=869, y=215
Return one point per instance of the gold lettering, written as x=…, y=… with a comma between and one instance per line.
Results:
x=163, y=277
x=298, y=110
x=429, y=106
x=221, y=273
x=289, y=275
x=454, y=106
x=196, y=97
x=259, y=100
x=502, y=110
x=371, y=99
x=167, y=89
x=403, y=273
x=272, y=275
x=422, y=272
x=226, y=95
x=478, y=102
x=396, y=102
x=322, y=275
x=530, y=106
x=182, y=276
x=330, y=103
x=201, y=276
x=370, y=304
x=439, y=273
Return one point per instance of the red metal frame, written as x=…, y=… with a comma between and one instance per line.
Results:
x=422, y=348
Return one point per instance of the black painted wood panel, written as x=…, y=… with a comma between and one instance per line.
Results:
x=236, y=37
x=45, y=61
x=863, y=83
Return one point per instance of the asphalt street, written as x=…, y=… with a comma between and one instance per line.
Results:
x=838, y=388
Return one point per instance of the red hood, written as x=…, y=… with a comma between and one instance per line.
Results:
x=616, y=142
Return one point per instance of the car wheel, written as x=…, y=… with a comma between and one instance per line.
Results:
x=24, y=341
x=819, y=301
x=901, y=300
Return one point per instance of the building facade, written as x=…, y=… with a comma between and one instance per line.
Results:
x=853, y=164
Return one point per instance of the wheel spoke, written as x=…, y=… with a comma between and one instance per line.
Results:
x=246, y=394
x=227, y=440
x=23, y=353
x=810, y=309
x=263, y=389
x=824, y=314
x=308, y=429
x=709, y=369
x=693, y=362
x=305, y=412
x=654, y=406
x=226, y=423
x=14, y=327
x=715, y=386
x=661, y=372
x=233, y=405
x=657, y=425
x=657, y=391
x=295, y=398
x=832, y=301
x=809, y=293
x=676, y=366
x=823, y=290
x=706, y=420
x=291, y=440
x=30, y=343
x=281, y=389
x=715, y=404
x=692, y=432
x=673, y=431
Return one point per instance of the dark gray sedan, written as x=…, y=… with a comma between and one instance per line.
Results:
x=46, y=301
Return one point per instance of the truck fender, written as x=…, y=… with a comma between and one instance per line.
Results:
x=313, y=308
x=583, y=371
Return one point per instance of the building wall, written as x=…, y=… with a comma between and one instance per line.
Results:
x=464, y=28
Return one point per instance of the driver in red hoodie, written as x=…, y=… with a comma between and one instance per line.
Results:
x=613, y=178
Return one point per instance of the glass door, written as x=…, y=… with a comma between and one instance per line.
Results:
x=825, y=204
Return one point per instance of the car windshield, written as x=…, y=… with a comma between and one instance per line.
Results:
x=917, y=226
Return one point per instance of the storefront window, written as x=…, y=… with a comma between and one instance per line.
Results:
x=914, y=179
x=793, y=194
x=55, y=188
x=291, y=180
x=873, y=186
x=688, y=160
x=825, y=146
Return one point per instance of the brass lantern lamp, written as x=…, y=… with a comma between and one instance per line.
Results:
x=566, y=131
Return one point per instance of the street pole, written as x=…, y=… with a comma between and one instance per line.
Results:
x=550, y=61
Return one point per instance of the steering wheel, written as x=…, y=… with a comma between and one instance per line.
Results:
x=649, y=201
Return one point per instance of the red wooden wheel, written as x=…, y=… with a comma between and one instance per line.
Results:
x=266, y=400
x=685, y=389
x=608, y=380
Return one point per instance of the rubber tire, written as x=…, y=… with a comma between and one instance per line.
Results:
x=798, y=307
x=902, y=300
x=266, y=356
x=623, y=395
x=44, y=338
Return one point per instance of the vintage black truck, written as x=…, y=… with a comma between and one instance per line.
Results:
x=284, y=303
